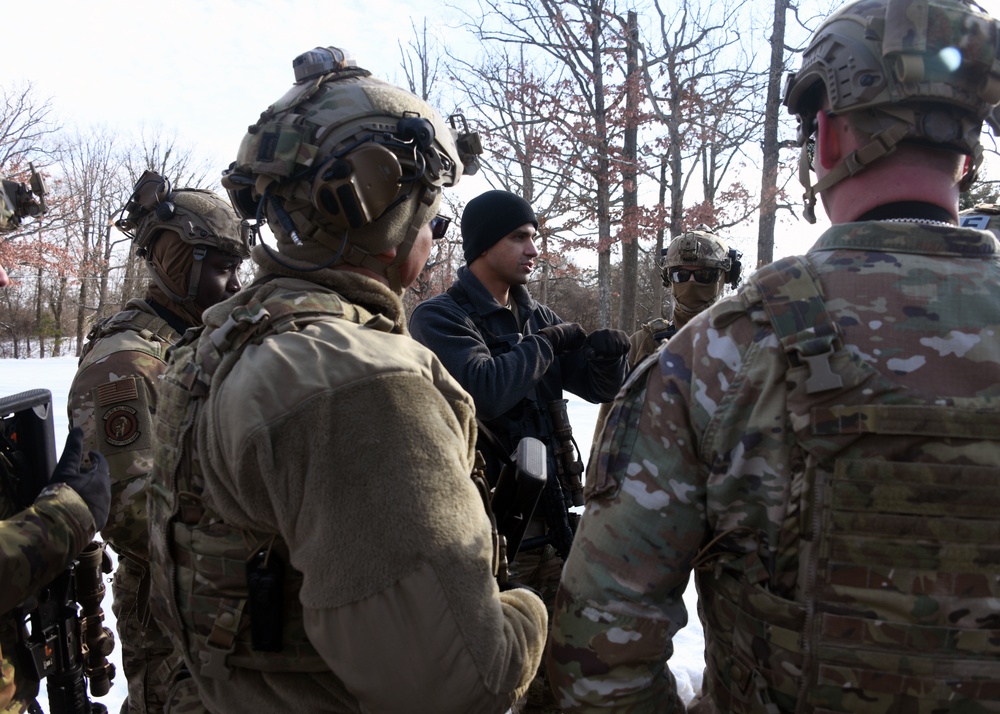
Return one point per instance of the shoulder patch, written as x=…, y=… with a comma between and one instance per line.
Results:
x=125, y=413
x=121, y=425
x=121, y=390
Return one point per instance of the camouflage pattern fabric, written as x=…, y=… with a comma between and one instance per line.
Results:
x=539, y=569
x=36, y=545
x=642, y=343
x=113, y=398
x=793, y=508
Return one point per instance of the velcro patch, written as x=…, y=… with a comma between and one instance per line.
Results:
x=121, y=425
x=121, y=390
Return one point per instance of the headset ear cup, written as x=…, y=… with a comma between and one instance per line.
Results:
x=243, y=202
x=354, y=190
x=735, y=269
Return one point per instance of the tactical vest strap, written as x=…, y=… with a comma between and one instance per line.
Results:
x=885, y=573
x=793, y=299
x=222, y=639
x=216, y=618
x=151, y=328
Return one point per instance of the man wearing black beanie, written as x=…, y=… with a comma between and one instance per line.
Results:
x=515, y=357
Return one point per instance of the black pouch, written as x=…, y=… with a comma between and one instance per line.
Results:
x=266, y=585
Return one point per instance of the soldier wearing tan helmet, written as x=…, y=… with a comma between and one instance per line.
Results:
x=318, y=543
x=193, y=245
x=696, y=267
x=821, y=451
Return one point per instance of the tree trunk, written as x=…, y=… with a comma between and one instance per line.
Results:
x=630, y=195
x=771, y=148
x=603, y=177
x=658, y=252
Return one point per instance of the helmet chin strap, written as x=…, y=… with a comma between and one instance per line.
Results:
x=882, y=144
x=420, y=218
x=194, y=277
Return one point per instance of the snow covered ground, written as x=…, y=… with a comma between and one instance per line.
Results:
x=56, y=375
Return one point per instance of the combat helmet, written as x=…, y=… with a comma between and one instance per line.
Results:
x=197, y=217
x=703, y=248
x=984, y=217
x=348, y=162
x=906, y=70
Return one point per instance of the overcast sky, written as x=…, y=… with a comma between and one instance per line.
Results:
x=202, y=68
x=205, y=69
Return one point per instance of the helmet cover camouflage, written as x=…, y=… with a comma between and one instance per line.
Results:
x=698, y=247
x=346, y=160
x=196, y=216
x=923, y=70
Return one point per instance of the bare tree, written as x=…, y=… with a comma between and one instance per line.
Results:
x=26, y=126
x=95, y=182
x=513, y=104
x=421, y=61
x=580, y=43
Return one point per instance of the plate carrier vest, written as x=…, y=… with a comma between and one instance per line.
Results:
x=200, y=591
x=882, y=594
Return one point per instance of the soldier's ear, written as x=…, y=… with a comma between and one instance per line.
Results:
x=829, y=142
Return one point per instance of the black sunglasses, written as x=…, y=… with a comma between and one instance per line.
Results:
x=704, y=276
x=439, y=226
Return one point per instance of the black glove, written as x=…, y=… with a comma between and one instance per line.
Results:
x=565, y=337
x=608, y=344
x=93, y=484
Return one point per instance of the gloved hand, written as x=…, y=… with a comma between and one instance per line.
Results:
x=93, y=484
x=608, y=344
x=565, y=337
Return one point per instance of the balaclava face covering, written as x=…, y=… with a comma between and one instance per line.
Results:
x=172, y=259
x=692, y=297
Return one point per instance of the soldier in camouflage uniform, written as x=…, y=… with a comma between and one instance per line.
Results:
x=38, y=543
x=317, y=541
x=696, y=267
x=822, y=450
x=193, y=244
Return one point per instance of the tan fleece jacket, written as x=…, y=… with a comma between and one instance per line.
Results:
x=355, y=445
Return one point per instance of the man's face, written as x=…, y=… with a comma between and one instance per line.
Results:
x=512, y=258
x=4, y=280
x=696, y=287
x=219, y=278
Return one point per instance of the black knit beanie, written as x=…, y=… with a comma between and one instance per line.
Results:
x=489, y=217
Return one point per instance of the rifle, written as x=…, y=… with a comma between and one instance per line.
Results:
x=67, y=643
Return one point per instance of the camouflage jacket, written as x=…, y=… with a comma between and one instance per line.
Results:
x=113, y=398
x=702, y=454
x=36, y=544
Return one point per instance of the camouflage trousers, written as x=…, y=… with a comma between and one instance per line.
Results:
x=539, y=569
x=149, y=659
